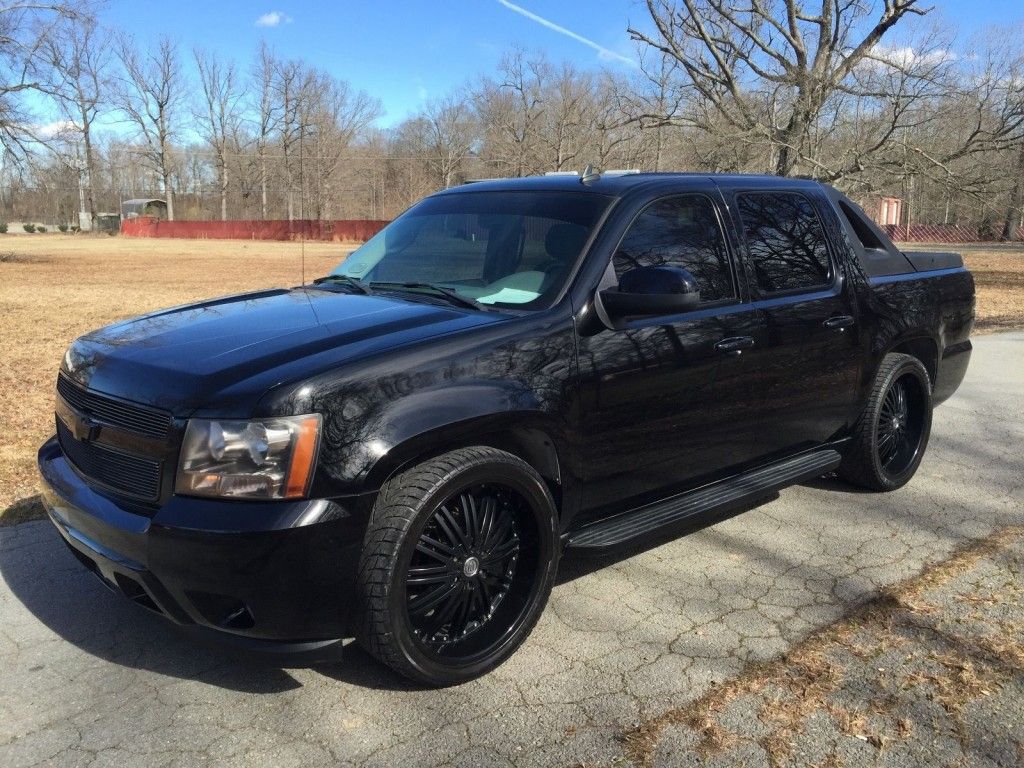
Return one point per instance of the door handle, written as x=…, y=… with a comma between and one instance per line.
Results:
x=839, y=322
x=734, y=345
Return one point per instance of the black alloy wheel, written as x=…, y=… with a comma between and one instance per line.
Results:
x=463, y=568
x=889, y=439
x=458, y=562
x=899, y=425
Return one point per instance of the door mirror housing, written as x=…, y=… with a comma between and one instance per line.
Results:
x=647, y=291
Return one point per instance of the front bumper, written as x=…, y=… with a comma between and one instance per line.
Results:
x=273, y=576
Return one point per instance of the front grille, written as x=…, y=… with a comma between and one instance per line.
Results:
x=132, y=475
x=148, y=422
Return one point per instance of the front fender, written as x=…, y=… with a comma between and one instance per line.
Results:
x=383, y=413
x=359, y=455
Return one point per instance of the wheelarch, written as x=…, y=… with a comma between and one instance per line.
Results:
x=532, y=443
x=925, y=349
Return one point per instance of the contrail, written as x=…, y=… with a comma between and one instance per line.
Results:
x=605, y=52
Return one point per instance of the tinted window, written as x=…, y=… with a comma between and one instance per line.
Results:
x=681, y=232
x=505, y=248
x=786, y=244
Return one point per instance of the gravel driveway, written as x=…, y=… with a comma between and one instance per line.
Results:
x=86, y=679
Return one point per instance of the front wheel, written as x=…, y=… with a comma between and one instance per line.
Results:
x=891, y=434
x=457, y=565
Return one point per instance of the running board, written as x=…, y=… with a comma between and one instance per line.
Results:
x=649, y=519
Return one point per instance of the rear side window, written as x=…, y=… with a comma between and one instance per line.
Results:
x=681, y=232
x=786, y=244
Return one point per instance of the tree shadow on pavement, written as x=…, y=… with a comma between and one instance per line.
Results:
x=59, y=592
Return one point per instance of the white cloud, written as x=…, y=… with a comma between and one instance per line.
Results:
x=607, y=54
x=273, y=19
x=56, y=128
x=906, y=56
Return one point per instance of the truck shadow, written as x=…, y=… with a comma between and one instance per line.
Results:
x=72, y=604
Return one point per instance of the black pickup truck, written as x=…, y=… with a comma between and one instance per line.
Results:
x=401, y=450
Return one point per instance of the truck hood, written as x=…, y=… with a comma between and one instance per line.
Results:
x=225, y=353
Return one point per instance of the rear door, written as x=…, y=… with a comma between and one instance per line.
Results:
x=809, y=357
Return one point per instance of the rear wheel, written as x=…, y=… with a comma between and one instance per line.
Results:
x=457, y=565
x=892, y=433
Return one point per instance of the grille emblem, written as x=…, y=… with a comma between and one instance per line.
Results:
x=81, y=427
x=84, y=428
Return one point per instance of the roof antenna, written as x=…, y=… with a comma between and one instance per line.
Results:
x=589, y=175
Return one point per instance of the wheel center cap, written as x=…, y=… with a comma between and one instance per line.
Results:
x=471, y=567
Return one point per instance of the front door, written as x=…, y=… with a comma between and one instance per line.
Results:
x=669, y=402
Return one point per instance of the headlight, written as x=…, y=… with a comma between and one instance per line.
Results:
x=256, y=459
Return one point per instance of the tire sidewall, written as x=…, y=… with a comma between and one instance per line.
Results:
x=539, y=499
x=913, y=367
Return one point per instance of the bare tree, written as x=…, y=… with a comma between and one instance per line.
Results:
x=511, y=109
x=151, y=93
x=451, y=130
x=76, y=57
x=25, y=29
x=267, y=115
x=221, y=118
x=768, y=68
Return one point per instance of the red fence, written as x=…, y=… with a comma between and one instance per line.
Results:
x=933, y=233
x=350, y=230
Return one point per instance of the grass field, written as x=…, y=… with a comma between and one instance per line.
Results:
x=54, y=288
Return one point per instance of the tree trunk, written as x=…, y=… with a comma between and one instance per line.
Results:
x=1013, y=208
x=90, y=194
x=223, y=189
x=168, y=194
x=263, y=183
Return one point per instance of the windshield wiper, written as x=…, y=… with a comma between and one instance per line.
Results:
x=451, y=294
x=352, y=282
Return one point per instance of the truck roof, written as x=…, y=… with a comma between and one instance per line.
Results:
x=618, y=184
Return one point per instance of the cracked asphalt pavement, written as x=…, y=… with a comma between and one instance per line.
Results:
x=87, y=679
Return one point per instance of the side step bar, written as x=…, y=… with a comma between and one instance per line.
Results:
x=651, y=518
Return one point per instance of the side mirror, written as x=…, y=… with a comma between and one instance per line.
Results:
x=647, y=291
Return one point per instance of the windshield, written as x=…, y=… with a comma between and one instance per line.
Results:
x=512, y=249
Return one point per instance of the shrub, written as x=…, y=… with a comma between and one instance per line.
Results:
x=3, y=227
x=40, y=228
x=62, y=227
x=29, y=227
x=76, y=229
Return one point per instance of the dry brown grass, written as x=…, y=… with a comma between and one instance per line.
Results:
x=999, y=280
x=54, y=288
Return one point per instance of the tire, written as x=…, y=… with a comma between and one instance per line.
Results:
x=477, y=527
x=890, y=437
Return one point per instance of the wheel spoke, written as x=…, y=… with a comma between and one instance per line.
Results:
x=486, y=522
x=469, y=512
x=447, y=522
x=498, y=532
x=501, y=552
x=435, y=549
x=443, y=616
x=422, y=604
x=422, y=581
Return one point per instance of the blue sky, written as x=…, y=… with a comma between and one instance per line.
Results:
x=405, y=51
